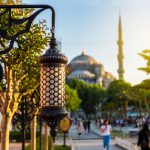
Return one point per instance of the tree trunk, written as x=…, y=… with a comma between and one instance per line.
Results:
x=5, y=127
x=126, y=109
x=33, y=133
x=146, y=103
x=52, y=145
x=46, y=137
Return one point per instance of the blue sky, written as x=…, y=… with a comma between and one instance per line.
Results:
x=92, y=25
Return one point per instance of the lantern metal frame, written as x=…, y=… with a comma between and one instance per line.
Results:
x=52, y=59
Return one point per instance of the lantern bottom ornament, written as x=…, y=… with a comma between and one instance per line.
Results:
x=52, y=117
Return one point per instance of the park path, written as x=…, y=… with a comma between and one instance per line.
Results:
x=92, y=145
x=15, y=146
x=87, y=141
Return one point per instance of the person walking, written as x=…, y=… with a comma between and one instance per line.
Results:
x=105, y=132
x=80, y=128
x=85, y=124
x=144, y=137
x=89, y=125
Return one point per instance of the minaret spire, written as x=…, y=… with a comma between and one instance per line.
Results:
x=120, y=50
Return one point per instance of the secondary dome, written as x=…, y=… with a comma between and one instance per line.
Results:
x=81, y=74
x=83, y=59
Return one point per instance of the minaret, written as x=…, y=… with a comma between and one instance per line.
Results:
x=120, y=50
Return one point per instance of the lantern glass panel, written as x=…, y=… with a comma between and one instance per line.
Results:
x=52, y=86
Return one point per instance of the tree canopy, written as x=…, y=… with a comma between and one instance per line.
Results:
x=145, y=54
x=91, y=95
x=117, y=94
x=72, y=99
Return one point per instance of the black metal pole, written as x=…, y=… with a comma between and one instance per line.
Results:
x=64, y=139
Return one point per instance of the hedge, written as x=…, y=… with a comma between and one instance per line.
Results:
x=16, y=136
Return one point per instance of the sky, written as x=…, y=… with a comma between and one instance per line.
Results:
x=92, y=25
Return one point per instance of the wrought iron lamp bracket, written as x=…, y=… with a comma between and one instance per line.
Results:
x=29, y=20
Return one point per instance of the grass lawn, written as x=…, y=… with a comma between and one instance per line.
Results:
x=57, y=147
x=118, y=134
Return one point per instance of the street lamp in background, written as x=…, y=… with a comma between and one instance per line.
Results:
x=52, y=81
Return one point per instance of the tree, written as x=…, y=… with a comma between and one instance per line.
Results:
x=146, y=56
x=117, y=95
x=20, y=66
x=72, y=99
x=91, y=95
x=143, y=94
x=144, y=86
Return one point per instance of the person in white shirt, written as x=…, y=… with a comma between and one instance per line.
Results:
x=105, y=132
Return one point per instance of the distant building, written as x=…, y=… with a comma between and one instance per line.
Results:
x=86, y=68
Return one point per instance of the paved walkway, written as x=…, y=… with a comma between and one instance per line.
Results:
x=93, y=145
x=86, y=141
x=73, y=134
x=14, y=146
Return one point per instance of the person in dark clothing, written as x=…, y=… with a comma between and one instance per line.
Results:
x=85, y=124
x=89, y=125
x=143, y=137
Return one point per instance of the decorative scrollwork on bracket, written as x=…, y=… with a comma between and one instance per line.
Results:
x=14, y=21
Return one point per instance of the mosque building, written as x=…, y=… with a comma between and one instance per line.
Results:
x=86, y=68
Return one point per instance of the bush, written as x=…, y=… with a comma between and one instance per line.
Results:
x=17, y=136
x=118, y=134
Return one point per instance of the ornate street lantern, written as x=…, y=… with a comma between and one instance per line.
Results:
x=52, y=84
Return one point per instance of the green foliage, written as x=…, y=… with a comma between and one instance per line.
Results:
x=38, y=143
x=23, y=59
x=119, y=134
x=120, y=94
x=146, y=56
x=141, y=94
x=72, y=99
x=90, y=94
x=118, y=90
x=16, y=135
x=57, y=147
x=117, y=94
x=145, y=84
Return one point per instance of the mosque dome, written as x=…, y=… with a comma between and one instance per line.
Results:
x=86, y=68
x=83, y=59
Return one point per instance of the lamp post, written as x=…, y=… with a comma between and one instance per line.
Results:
x=52, y=86
x=52, y=81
